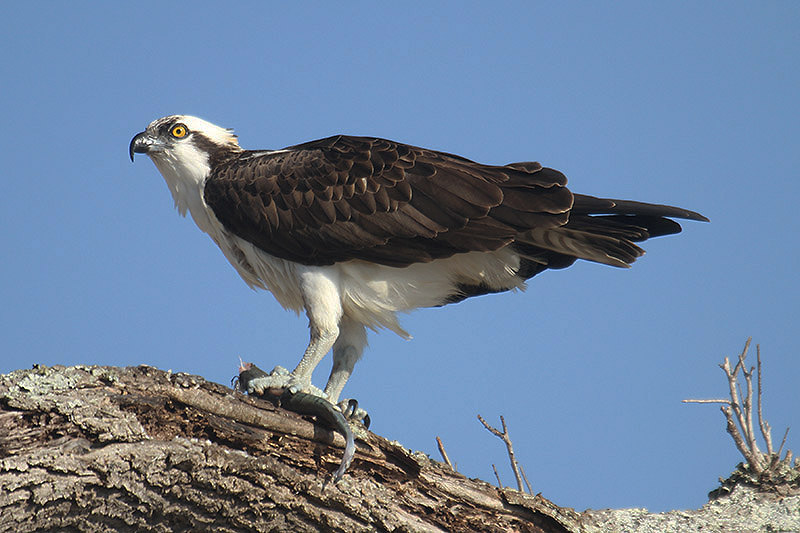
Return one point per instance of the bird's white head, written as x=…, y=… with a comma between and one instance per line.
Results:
x=183, y=137
x=184, y=149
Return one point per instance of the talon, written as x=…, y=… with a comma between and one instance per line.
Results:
x=353, y=413
x=352, y=405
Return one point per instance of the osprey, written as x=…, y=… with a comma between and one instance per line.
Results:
x=353, y=230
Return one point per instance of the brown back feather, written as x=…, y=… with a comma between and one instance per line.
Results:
x=345, y=198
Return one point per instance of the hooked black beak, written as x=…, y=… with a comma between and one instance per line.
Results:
x=140, y=144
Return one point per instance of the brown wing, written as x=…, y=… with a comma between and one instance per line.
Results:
x=344, y=198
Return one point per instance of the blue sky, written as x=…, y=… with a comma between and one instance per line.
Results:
x=685, y=103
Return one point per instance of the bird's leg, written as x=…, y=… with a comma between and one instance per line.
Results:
x=324, y=310
x=346, y=351
x=321, y=342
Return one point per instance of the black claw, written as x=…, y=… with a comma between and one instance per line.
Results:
x=350, y=410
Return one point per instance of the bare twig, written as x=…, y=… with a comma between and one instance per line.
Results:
x=527, y=483
x=783, y=441
x=748, y=409
x=499, y=483
x=739, y=412
x=510, y=447
x=766, y=431
x=443, y=453
x=733, y=385
x=741, y=406
x=737, y=437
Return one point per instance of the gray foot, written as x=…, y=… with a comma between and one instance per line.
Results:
x=281, y=379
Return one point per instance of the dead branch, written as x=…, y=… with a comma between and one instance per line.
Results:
x=499, y=483
x=138, y=449
x=527, y=483
x=443, y=453
x=783, y=441
x=738, y=413
x=509, y=446
x=766, y=430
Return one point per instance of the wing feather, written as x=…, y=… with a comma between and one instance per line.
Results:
x=345, y=198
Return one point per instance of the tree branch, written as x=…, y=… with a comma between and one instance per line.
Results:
x=509, y=446
x=766, y=431
x=138, y=449
x=738, y=413
x=527, y=483
x=443, y=453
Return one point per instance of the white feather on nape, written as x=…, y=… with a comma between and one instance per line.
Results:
x=218, y=135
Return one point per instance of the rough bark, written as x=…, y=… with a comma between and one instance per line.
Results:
x=104, y=448
x=140, y=449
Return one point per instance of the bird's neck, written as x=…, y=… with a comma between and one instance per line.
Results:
x=185, y=177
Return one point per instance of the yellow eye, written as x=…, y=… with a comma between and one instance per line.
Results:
x=179, y=131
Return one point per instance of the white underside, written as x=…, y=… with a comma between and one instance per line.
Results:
x=366, y=293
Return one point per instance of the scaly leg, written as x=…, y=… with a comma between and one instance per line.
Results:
x=346, y=351
x=320, y=344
